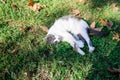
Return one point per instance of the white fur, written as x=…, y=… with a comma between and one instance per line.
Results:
x=63, y=27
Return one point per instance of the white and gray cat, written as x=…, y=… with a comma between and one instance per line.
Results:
x=72, y=30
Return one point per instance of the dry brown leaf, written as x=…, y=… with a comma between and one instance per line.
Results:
x=22, y=28
x=14, y=50
x=3, y=1
x=28, y=74
x=44, y=28
x=100, y=9
x=30, y=2
x=116, y=36
x=75, y=12
x=83, y=1
x=92, y=25
x=35, y=6
x=114, y=7
x=106, y=23
x=14, y=5
x=114, y=70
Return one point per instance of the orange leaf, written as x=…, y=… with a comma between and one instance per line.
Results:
x=83, y=1
x=106, y=23
x=116, y=36
x=36, y=7
x=44, y=28
x=30, y=2
x=92, y=25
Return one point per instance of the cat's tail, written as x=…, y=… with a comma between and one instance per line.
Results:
x=97, y=33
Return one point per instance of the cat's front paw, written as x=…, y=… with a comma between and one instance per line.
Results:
x=91, y=49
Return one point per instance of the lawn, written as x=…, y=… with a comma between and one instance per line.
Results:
x=24, y=55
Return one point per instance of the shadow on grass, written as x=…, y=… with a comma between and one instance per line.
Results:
x=99, y=69
x=102, y=3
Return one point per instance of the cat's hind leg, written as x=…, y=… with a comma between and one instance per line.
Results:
x=79, y=42
x=75, y=44
x=87, y=39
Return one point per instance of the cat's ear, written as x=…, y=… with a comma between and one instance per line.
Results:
x=50, y=37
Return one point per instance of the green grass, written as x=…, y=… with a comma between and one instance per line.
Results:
x=22, y=51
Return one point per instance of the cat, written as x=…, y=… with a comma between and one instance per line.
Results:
x=72, y=30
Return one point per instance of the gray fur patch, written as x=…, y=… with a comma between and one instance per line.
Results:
x=90, y=43
x=50, y=38
x=81, y=38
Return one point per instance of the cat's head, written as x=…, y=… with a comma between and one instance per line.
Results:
x=53, y=39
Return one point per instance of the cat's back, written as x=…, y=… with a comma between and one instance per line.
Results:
x=68, y=23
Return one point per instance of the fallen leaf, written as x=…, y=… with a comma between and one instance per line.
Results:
x=83, y=1
x=14, y=51
x=3, y=1
x=116, y=36
x=75, y=12
x=28, y=74
x=44, y=28
x=114, y=7
x=25, y=29
x=106, y=23
x=100, y=9
x=35, y=6
x=92, y=25
x=14, y=5
x=114, y=70
x=30, y=2
x=22, y=28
